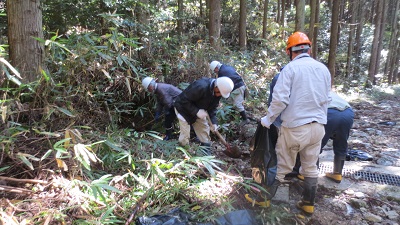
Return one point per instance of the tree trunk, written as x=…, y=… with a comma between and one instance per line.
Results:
x=300, y=15
x=390, y=63
x=360, y=24
x=283, y=12
x=315, y=33
x=142, y=16
x=353, y=9
x=334, y=39
x=265, y=17
x=215, y=23
x=313, y=9
x=278, y=13
x=24, y=24
x=180, y=17
x=375, y=43
x=242, y=25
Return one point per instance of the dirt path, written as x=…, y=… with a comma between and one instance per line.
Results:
x=376, y=131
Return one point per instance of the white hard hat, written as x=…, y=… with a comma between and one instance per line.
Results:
x=225, y=86
x=214, y=64
x=146, y=82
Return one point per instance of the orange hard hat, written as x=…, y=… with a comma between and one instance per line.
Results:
x=297, y=38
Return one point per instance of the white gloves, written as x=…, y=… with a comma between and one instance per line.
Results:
x=265, y=122
x=201, y=114
x=214, y=128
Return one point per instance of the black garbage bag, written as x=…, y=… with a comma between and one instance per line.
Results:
x=262, y=154
x=177, y=217
x=358, y=155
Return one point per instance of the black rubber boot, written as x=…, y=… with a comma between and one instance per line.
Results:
x=309, y=191
x=272, y=189
x=338, y=164
x=244, y=118
x=168, y=134
x=206, y=148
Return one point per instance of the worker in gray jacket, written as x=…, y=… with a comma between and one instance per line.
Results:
x=300, y=98
x=165, y=94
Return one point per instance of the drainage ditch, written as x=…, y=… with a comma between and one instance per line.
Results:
x=379, y=178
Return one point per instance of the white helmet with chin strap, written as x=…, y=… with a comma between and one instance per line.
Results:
x=214, y=64
x=225, y=86
x=147, y=81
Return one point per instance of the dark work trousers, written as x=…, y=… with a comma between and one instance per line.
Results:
x=169, y=118
x=338, y=129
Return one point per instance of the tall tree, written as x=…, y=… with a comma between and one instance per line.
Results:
x=375, y=43
x=362, y=4
x=143, y=17
x=313, y=4
x=265, y=17
x=300, y=15
x=180, y=17
x=215, y=23
x=315, y=30
x=283, y=13
x=353, y=9
x=242, y=24
x=381, y=36
x=391, y=63
x=334, y=38
x=24, y=25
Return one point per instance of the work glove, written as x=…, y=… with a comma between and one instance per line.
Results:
x=265, y=122
x=214, y=128
x=202, y=114
x=157, y=117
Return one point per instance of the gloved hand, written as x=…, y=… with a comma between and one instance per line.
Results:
x=214, y=128
x=157, y=117
x=202, y=114
x=265, y=122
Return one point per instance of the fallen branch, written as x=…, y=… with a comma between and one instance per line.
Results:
x=33, y=181
x=15, y=190
x=139, y=204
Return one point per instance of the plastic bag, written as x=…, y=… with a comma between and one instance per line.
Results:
x=358, y=155
x=177, y=217
x=262, y=154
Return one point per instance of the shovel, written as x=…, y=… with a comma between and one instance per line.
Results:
x=231, y=151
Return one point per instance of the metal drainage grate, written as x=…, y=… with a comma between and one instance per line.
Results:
x=372, y=177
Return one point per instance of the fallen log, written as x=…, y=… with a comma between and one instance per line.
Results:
x=33, y=181
x=15, y=189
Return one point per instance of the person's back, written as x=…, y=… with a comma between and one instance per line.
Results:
x=239, y=88
x=309, y=80
x=229, y=71
x=301, y=97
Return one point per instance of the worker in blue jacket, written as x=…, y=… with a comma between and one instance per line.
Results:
x=239, y=90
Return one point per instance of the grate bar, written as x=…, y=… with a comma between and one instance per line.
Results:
x=388, y=179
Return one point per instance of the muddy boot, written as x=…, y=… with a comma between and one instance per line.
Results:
x=264, y=201
x=338, y=163
x=309, y=191
x=206, y=148
x=272, y=189
x=244, y=118
x=168, y=134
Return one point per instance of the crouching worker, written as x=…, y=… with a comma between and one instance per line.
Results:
x=199, y=100
x=340, y=121
x=166, y=94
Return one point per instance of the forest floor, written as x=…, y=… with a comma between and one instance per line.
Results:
x=376, y=131
x=354, y=201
